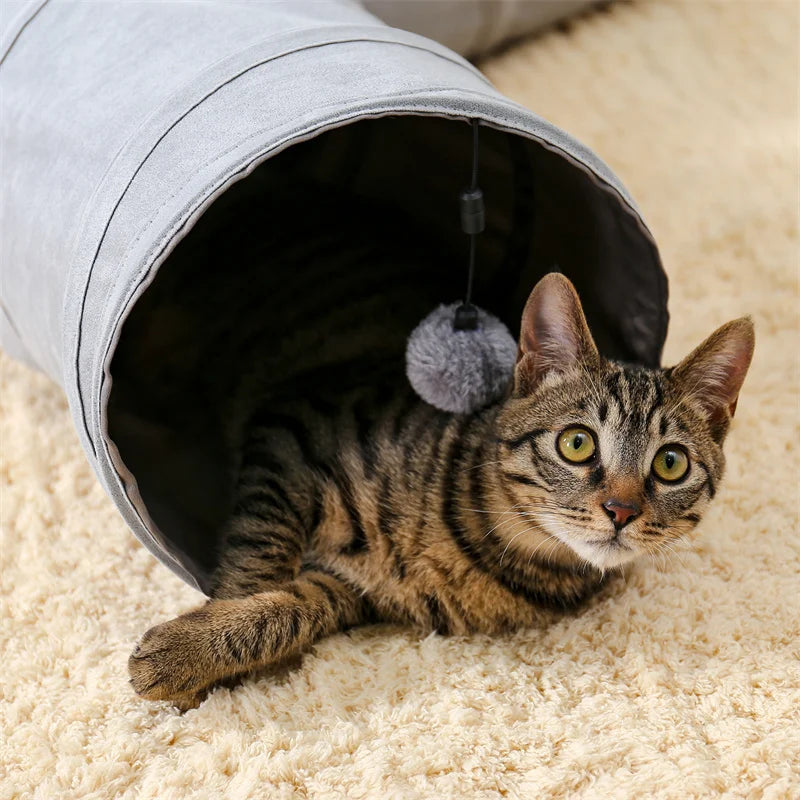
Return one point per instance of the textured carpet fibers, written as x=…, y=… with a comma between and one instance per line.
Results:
x=681, y=681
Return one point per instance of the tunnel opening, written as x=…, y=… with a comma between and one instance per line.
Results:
x=361, y=223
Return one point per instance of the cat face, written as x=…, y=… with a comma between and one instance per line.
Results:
x=614, y=461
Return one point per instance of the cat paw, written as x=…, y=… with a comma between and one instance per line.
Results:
x=167, y=664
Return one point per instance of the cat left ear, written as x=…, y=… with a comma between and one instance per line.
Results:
x=554, y=336
x=714, y=372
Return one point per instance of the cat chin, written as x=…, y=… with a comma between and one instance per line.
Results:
x=602, y=556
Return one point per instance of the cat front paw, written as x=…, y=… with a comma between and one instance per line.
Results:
x=168, y=664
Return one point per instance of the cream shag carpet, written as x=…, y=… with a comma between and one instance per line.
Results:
x=683, y=682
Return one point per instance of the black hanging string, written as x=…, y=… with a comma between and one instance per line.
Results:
x=473, y=221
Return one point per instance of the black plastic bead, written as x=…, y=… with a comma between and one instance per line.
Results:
x=473, y=217
x=466, y=318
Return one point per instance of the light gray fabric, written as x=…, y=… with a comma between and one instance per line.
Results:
x=460, y=370
x=122, y=122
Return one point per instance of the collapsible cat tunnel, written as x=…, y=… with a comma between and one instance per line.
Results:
x=124, y=123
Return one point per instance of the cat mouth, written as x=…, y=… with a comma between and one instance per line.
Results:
x=614, y=543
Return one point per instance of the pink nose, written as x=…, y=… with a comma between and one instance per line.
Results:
x=621, y=513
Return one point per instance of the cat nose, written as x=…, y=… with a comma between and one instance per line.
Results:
x=621, y=513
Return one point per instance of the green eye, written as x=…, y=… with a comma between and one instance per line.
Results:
x=576, y=445
x=671, y=463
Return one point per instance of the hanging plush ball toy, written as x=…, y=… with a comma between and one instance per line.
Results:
x=461, y=358
x=460, y=370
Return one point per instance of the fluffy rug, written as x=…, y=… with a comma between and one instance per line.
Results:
x=682, y=681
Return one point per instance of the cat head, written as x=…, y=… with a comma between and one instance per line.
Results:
x=613, y=460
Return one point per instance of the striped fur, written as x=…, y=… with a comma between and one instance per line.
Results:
x=362, y=503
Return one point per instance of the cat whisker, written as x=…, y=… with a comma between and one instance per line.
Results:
x=530, y=527
x=560, y=507
x=485, y=464
x=512, y=511
x=511, y=541
x=490, y=510
x=666, y=546
x=557, y=524
x=552, y=549
x=536, y=549
x=660, y=551
x=515, y=522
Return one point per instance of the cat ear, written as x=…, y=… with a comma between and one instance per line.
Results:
x=554, y=336
x=714, y=372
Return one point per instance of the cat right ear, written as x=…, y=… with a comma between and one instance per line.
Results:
x=713, y=373
x=554, y=336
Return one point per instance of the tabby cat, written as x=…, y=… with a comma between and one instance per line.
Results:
x=376, y=506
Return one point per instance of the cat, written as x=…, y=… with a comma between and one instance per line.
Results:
x=375, y=506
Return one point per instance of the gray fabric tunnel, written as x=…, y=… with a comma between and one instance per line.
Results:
x=135, y=134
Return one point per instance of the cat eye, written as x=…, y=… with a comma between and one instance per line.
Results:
x=671, y=463
x=576, y=445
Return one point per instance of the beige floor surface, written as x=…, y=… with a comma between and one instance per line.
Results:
x=684, y=682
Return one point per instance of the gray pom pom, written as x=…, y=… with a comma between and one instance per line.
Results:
x=460, y=371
